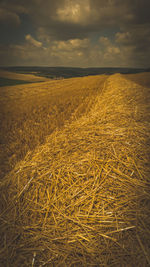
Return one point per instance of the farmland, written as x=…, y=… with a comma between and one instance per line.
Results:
x=75, y=172
x=30, y=113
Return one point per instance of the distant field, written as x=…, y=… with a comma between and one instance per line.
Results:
x=68, y=72
x=75, y=172
x=9, y=82
x=11, y=78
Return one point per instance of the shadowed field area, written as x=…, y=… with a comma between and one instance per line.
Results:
x=142, y=79
x=75, y=188
x=21, y=77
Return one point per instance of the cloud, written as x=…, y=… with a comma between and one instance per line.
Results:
x=138, y=35
x=81, y=33
x=123, y=12
x=104, y=41
x=9, y=17
x=71, y=53
x=135, y=44
x=70, y=45
x=68, y=19
x=74, y=12
x=123, y=38
x=32, y=41
x=43, y=35
x=74, y=52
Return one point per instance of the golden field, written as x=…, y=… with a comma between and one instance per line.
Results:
x=20, y=76
x=75, y=172
x=28, y=113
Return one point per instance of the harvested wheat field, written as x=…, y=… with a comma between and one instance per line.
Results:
x=20, y=76
x=80, y=196
x=29, y=113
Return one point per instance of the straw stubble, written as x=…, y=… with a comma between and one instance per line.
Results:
x=81, y=198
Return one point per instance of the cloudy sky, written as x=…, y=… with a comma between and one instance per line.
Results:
x=81, y=33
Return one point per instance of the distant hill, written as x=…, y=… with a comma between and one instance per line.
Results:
x=69, y=72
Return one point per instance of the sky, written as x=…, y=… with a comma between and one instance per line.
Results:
x=75, y=33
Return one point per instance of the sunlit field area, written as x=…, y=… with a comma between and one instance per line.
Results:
x=74, y=160
x=28, y=113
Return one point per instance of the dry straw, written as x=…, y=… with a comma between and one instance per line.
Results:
x=82, y=198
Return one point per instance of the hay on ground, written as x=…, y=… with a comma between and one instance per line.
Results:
x=82, y=198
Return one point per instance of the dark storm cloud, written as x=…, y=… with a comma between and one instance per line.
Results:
x=72, y=19
x=9, y=17
x=141, y=11
x=55, y=23
x=138, y=34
